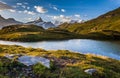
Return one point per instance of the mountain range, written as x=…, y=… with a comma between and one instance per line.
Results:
x=39, y=22
x=9, y=21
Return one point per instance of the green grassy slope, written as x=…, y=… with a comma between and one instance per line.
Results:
x=107, y=24
x=33, y=33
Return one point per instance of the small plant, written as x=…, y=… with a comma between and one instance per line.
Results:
x=40, y=69
x=0, y=49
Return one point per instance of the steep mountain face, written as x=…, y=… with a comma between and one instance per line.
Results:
x=57, y=23
x=40, y=22
x=48, y=25
x=108, y=23
x=1, y=18
x=9, y=21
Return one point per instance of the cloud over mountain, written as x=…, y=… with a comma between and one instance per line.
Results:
x=63, y=18
x=40, y=9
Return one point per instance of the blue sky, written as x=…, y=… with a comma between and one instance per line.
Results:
x=51, y=10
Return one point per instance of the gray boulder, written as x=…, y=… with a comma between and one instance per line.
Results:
x=90, y=71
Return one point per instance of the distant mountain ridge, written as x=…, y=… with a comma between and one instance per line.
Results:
x=9, y=21
x=39, y=22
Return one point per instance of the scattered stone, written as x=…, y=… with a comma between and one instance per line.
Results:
x=90, y=71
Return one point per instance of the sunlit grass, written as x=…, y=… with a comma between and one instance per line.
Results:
x=66, y=62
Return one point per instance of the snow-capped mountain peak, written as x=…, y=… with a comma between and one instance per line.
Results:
x=39, y=19
x=40, y=22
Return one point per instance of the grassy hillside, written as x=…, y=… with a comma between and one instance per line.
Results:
x=64, y=64
x=107, y=24
x=33, y=33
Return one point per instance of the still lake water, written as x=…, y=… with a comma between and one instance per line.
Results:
x=105, y=48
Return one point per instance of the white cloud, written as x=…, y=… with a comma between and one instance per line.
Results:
x=23, y=6
x=77, y=15
x=29, y=12
x=28, y=7
x=14, y=6
x=63, y=10
x=30, y=19
x=40, y=9
x=68, y=19
x=11, y=10
x=61, y=18
x=19, y=4
x=25, y=11
x=55, y=8
x=25, y=3
x=19, y=11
